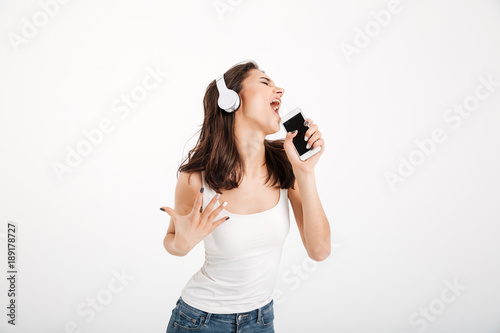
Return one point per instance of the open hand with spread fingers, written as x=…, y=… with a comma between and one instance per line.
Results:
x=192, y=228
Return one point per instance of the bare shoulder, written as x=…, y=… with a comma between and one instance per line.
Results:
x=191, y=179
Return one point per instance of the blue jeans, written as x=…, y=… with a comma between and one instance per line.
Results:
x=186, y=318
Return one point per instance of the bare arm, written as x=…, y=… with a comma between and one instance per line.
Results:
x=169, y=244
x=185, y=196
x=316, y=228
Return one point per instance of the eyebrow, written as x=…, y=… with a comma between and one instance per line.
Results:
x=265, y=78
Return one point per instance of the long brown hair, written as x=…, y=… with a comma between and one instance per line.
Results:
x=216, y=151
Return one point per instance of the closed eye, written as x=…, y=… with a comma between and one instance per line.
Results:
x=265, y=83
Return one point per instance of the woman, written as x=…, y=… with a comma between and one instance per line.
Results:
x=234, y=164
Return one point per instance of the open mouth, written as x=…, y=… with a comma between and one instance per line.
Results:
x=275, y=105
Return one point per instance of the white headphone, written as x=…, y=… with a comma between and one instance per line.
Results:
x=229, y=100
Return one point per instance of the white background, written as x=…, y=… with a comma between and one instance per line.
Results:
x=394, y=249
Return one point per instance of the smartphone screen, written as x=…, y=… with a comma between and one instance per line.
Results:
x=297, y=123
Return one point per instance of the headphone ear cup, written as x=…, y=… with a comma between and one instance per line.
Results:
x=238, y=102
x=229, y=101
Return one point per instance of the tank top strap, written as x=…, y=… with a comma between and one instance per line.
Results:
x=208, y=193
x=207, y=188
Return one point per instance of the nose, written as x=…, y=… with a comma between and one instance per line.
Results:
x=280, y=91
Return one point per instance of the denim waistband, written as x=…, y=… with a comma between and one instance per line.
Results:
x=229, y=317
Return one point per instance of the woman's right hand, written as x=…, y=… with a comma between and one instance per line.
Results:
x=192, y=228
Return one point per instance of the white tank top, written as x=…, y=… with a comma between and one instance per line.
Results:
x=242, y=257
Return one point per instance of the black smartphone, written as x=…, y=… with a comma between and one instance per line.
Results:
x=294, y=120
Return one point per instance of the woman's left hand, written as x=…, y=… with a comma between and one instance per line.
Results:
x=315, y=140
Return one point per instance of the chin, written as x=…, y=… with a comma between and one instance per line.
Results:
x=276, y=127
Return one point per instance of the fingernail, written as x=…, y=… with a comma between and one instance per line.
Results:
x=224, y=204
x=307, y=146
x=227, y=218
x=294, y=132
x=162, y=209
x=217, y=196
x=202, y=189
x=306, y=138
x=306, y=123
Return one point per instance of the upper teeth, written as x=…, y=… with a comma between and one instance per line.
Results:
x=277, y=106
